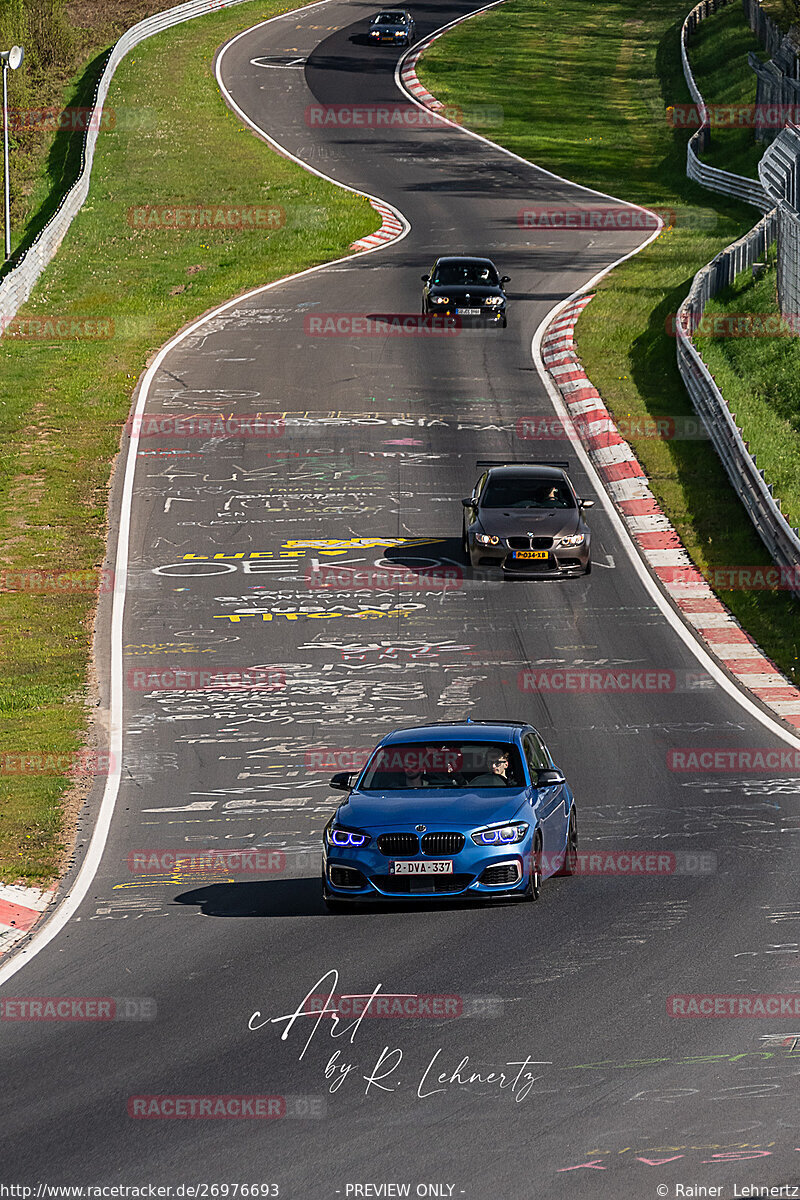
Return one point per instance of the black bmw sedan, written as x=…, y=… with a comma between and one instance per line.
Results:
x=465, y=287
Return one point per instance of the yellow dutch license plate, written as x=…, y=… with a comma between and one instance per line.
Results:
x=530, y=554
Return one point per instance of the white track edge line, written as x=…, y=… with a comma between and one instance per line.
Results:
x=70, y=903
x=680, y=626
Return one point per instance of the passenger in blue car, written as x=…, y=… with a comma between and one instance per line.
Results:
x=449, y=777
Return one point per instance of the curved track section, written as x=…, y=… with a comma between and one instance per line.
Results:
x=564, y=1002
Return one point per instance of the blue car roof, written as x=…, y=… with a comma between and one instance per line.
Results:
x=464, y=731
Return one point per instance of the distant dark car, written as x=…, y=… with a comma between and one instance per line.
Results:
x=465, y=287
x=527, y=519
x=393, y=25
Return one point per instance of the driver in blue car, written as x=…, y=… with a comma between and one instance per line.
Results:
x=498, y=774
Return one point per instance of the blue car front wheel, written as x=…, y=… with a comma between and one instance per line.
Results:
x=535, y=870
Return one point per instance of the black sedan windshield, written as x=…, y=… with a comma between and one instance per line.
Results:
x=519, y=491
x=390, y=18
x=443, y=765
x=457, y=274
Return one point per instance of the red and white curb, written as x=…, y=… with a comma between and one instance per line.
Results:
x=652, y=531
x=391, y=227
x=20, y=909
x=409, y=77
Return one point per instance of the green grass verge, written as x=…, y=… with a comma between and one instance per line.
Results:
x=725, y=38
x=760, y=379
x=592, y=108
x=63, y=404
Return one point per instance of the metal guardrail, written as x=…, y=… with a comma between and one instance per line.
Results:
x=762, y=25
x=780, y=538
x=779, y=171
x=18, y=284
x=712, y=178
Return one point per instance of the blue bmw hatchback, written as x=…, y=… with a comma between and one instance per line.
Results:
x=475, y=810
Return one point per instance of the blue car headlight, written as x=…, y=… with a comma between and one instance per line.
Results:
x=346, y=837
x=501, y=835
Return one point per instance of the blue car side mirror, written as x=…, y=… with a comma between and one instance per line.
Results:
x=341, y=781
x=550, y=778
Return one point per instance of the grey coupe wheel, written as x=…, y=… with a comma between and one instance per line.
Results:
x=465, y=541
x=588, y=570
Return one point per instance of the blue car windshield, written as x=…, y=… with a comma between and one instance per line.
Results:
x=463, y=273
x=402, y=766
x=521, y=491
x=390, y=18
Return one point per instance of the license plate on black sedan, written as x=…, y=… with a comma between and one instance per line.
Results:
x=529, y=554
x=433, y=866
x=468, y=312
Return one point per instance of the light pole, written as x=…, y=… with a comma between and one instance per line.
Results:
x=9, y=58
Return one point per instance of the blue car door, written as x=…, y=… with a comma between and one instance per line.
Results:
x=550, y=803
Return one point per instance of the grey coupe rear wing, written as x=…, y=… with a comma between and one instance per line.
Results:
x=562, y=464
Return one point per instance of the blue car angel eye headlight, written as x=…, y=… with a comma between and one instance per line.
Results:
x=501, y=835
x=344, y=837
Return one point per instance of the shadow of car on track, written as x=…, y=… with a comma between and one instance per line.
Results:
x=445, y=555
x=302, y=898
x=257, y=898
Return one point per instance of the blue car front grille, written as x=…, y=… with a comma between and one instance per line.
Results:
x=404, y=844
x=443, y=843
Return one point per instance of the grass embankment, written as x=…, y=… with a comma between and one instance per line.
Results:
x=66, y=45
x=63, y=404
x=724, y=40
x=585, y=92
x=760, y=378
